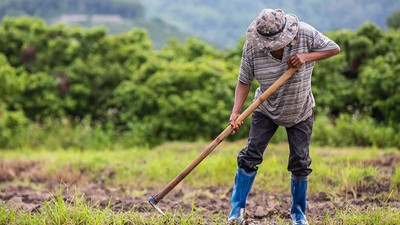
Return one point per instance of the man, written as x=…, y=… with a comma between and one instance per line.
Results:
x=275, y=42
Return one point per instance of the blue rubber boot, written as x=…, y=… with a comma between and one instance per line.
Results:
x=241, y=188
x=299, y=193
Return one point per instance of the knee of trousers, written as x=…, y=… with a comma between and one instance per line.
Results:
x=300, y=167
x=248, y=159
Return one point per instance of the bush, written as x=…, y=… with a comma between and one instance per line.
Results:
x=12, y=123
x=380, y=88
x=64, y=134
x=353, y=130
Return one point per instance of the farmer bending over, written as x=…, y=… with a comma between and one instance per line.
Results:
x=275, y=42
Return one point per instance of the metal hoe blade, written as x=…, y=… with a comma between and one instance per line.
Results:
x=153, y=203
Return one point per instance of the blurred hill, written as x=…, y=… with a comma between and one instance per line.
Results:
x=223, y=22
x=118, y=15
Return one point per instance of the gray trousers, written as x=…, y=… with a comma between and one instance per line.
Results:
x=261, y=131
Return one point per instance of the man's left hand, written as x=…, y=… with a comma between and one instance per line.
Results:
x=296, y=61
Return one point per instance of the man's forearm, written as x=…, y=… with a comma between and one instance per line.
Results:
x=316, y=56
x=301, y=58
x=241, y=92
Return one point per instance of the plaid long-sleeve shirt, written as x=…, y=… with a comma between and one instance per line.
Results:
x=292, y=102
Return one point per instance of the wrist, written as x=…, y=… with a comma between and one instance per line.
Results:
x=307, y=57
x=235, y=112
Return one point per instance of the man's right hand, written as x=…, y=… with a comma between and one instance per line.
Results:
x=232, y=120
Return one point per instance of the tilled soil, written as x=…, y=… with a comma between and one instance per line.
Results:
x=262, y=207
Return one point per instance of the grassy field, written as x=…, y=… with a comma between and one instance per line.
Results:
x=357, y=185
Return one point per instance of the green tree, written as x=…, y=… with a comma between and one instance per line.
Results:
x=12, y=118
x=92, y=79
x=393, y=21
x=183, y=93
x=11, y=85
x=379, y=82
x=379, y=88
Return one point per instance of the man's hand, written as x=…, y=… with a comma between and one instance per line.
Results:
x=232, y=120
x=296, y=61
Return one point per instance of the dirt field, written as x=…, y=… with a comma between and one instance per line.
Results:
x=262, y=206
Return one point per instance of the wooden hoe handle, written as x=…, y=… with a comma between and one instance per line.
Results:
x=160, y=195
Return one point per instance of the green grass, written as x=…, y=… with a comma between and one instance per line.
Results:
x=58, y=211
x=334, y=169
x=371, y=216
x=396, y=179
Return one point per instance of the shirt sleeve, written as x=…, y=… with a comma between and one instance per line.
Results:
x=321, y=42
x=246, y=73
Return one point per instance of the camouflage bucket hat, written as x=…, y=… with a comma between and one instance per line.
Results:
x=272, y=30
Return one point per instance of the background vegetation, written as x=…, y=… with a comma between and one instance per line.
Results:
x=70, y=86
x=67, y=86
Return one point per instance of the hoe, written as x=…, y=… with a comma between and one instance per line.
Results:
x=153, y=200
